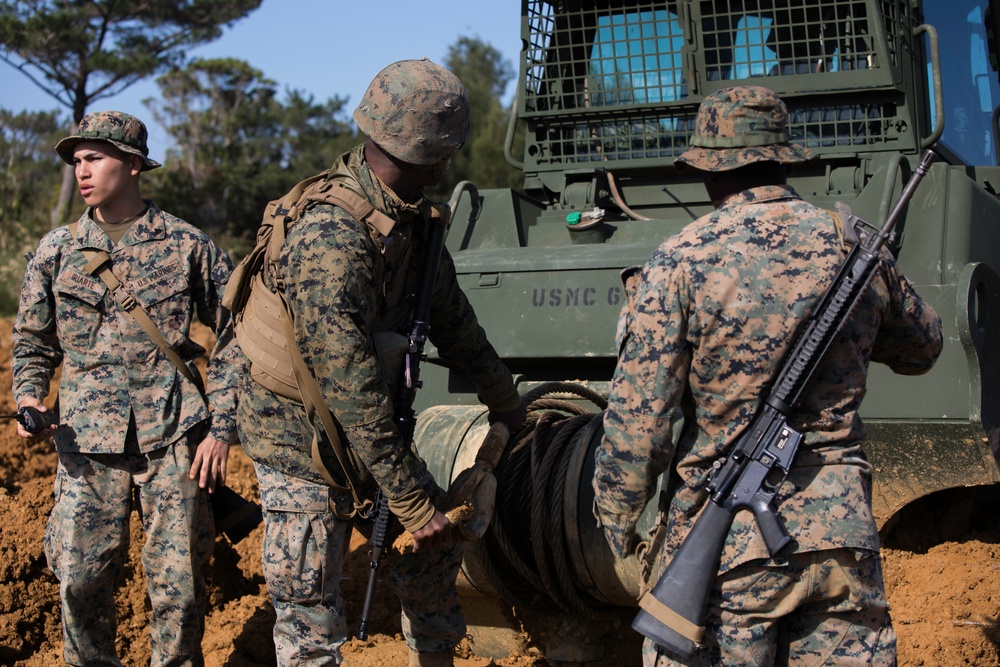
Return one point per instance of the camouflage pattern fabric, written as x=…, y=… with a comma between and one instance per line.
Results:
x=843, y=615
x=740, y=126
x=127, y=414
x=302, y=564
x=126, y=133
x=302, y=561
x=705, y=325
x=112, y=371
x=416, y=111
x=341, y=281
x=87, y=537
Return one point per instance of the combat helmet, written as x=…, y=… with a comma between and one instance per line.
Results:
x=740, y=126
x=124, y=132
x=416, y=111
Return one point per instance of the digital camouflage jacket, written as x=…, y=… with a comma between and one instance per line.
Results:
x=344, y=281
x=111, y=370
x=706, y=323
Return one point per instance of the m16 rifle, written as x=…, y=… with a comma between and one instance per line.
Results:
x=671, y=613
x=404, y=415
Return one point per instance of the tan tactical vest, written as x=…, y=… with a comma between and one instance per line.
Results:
x=263, y=321
x=260, y=313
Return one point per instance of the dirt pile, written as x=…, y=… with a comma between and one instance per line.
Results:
x=942, y=574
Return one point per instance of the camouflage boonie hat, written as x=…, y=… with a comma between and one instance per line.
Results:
x=416, y=111
x=126, y=133
x=740, y=126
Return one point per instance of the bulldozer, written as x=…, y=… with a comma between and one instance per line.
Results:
x=606, y=99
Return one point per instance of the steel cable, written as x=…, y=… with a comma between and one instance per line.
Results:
x=525, y=549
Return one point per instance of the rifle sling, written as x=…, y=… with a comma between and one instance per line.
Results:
x=670, y=618
x=312, y=400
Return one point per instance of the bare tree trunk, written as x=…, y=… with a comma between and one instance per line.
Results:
x=61, y=209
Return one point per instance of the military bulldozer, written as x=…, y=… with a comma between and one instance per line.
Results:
x=606, y=99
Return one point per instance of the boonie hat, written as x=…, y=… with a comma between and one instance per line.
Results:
x=740, y=126
x=416, y=111
x=126, y=133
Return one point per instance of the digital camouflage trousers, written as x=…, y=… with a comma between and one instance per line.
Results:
x=86, y=543
x=303, y=560
x=823, y=608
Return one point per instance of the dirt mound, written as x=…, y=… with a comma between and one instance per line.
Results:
x=942, y=575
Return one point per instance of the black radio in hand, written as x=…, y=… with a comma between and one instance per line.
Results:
x=34, y=420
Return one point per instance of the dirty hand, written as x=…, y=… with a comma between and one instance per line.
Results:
x=434, y=534
x=209, y=464
x=32, y=402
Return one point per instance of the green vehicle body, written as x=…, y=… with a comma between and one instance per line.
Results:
x=606, y=99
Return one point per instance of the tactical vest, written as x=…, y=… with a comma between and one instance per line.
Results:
x=263, y=321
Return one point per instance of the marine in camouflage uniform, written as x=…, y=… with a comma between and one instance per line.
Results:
x=128, y=416
x=706, y=323
x=344, y=281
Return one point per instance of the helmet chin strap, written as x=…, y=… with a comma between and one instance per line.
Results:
x=435, y=171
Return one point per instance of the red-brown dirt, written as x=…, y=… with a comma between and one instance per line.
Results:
x=942, y=575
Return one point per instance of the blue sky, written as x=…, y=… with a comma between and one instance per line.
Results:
x=325, y=47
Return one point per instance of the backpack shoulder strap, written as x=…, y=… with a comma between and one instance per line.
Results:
x=270, y=237
x=287, y=210
x=360, y=208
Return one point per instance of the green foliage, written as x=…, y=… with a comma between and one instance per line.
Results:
x=237, y=146
x=83, y=51
x=29, y=183
x=315, y=134
x=237, y=141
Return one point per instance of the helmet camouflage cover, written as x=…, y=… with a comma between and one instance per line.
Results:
x=416, y=111
x=126, y=133
x=740, y=126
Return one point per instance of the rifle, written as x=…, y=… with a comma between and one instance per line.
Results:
x=671, y=613
x=34, y=420
x=235, y=516
x=380, y=529
x=403, y=414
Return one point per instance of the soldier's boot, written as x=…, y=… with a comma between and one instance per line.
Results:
x=441, y=659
